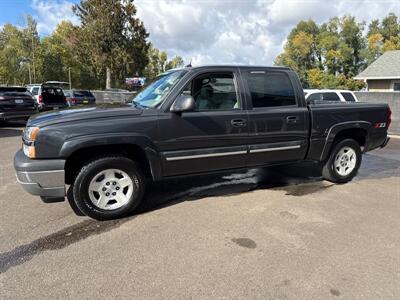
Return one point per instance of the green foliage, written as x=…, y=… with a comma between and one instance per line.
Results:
x=331, y=54
x=111, y=37
x=110, y=41
x=158, y=63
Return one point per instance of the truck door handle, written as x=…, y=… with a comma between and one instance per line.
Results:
x=292, y=119
x=238, y=122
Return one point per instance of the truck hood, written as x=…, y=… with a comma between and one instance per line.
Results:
x=83, y=113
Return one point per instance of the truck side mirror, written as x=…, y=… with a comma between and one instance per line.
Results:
x=183, y=103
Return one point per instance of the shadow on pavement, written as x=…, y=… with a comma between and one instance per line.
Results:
x=10, y=132
x=11, y=129
x=295, y=180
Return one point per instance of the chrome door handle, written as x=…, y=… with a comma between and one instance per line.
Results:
x=238, y=122
x=292, y=119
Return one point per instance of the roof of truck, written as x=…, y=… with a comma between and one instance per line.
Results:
x=236, y=66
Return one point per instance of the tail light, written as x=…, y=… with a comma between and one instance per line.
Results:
x=389, y=118
x=73, y=100
x=40, y=99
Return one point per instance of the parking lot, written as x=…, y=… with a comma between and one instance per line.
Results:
x=274, y=233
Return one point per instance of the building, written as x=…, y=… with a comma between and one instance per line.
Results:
x=383, y=75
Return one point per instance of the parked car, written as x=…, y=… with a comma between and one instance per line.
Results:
x=35, y=90
x=330, y=95
x=16, y=103
x=77, y=97
x=48, y=96
x=192, y=121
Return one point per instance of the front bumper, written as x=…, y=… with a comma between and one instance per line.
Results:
x=40, y=177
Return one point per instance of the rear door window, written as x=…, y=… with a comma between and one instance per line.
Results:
x=270, y=89
x=348, y=97
x=330, y=97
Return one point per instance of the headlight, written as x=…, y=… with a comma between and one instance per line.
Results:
x=28, y=146
x=30, y=133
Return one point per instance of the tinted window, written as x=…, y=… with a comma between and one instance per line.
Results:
x=396, y=86
x=349, y=97
x=330, y=97
x=270, y=89
x=83, y=94
x=12, y=89
x=213, y=91
x=315, y=97
x=53, y=91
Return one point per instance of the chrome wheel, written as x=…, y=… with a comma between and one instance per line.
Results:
x=345, y=161
x=111, y=189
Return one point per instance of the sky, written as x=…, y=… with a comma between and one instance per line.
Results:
x=211, y=31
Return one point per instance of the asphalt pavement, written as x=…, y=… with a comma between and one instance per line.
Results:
x=273, y=233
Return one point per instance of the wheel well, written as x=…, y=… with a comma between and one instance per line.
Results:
x=357, y=134
x=77, y=159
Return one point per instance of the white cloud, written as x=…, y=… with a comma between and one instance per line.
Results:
x=241, y=31
x=49, y=13
x=224, y=31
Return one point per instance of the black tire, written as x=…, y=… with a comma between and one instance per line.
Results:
x=330, y=173
x=80, y=189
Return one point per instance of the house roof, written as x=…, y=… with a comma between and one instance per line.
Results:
x=387, y=66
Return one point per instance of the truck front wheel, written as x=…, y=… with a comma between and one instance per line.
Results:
x=109, y=187
x=343, y=162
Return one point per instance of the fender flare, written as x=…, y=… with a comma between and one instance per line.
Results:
x=108, y=139
x=337, y=128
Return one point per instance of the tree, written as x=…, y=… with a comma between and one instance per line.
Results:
x=176, y=62
x=16, y=54
x=112, y=37
x=328, y=55
x=390, y=27
x=158, y=62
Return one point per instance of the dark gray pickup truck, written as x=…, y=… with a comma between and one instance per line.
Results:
x=192, y=121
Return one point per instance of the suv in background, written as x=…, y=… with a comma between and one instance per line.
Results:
x=330, y=95
x=77, y=97
x=16, y=103
x=48, y=96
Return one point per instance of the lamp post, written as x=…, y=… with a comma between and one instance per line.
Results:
x=69, y=78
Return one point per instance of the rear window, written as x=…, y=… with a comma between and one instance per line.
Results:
x=270, y=89
x=349, y=97
x=83, y=94
x=8, y=89
x=53, y=91
x=35, y=91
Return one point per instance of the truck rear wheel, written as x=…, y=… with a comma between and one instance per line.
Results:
x=343, y=162
x=109, y=188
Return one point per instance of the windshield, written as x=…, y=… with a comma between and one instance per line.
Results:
x=155, y=93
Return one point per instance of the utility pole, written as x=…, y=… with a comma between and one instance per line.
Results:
x=30, y=75
x=69, y=77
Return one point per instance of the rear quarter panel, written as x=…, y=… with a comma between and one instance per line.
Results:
x=329, y=119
